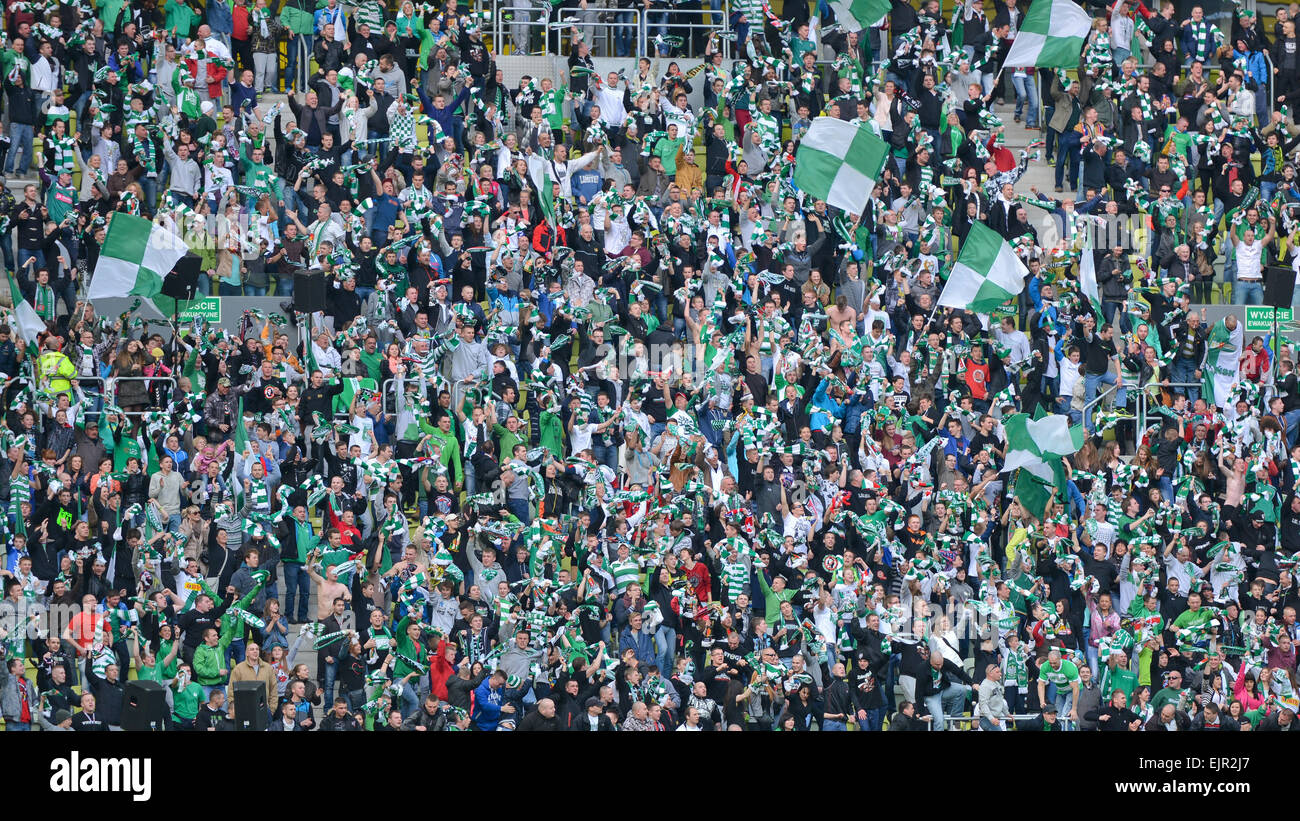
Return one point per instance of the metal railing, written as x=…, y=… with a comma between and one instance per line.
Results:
x=107, y=384
x=531, y=31
x=1010, y=722
x=1143, y=399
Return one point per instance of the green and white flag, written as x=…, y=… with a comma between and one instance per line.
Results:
x=539, y=169
x=1088, y=276
x=240, y=437
x=839, y=162
x=351, y=387
x=136, y=256
x=855, y=15
x=1033, y=444
x=987, y=273
x=28, y=323
x=1222, y=356
x=1051, y=35
x=1034, y=492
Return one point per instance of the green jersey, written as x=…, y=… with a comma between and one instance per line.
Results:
x=1064, y=674
x=552, y=104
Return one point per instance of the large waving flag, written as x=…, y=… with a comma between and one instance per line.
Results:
x=839, y=162
x=136, y=256
x=855, y=15
x=1222, y=355
x=1052, y=35
x=539, y=169
x=1033, y=443
x=1036, y=447
x=1088, y=275
x=987, y=273
x=29, y=323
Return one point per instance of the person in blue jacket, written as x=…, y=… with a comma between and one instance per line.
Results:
x=490, y=705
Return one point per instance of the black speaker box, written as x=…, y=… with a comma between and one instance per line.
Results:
x=250, y=705
x=144, y=706
x=309, y=292
x=183, y=281
x=1279, y=286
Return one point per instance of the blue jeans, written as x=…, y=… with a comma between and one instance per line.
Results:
x=1068, y=149
x=207, y=691
x=410, y=701
x=1026, y=95
x=1167, y=489
x=1184, y=370
x=296, y=582
x=873, y=722
x=830, y=726
x=657, y=24
x=24, y=255
x=21, y=137
x=989, y=726
x=1063, y=699
x=149, y=185
x=1091, y=383
x=13, y=726
x=253, y=290
x=950, y=702
x=624, y=32
x=291, y=74
x=1248, y=293
x=331, y=672
x=606, y=455
x=519, y=507
x=666, y=640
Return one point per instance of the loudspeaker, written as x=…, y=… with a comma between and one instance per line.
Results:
x=309, y=292
x=1279, y=286
x=184, y=279
x=144, y=706
x=250, y=705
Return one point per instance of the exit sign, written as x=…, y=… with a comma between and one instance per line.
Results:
x=1259, y=318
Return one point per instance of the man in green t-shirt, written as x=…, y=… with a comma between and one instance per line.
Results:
x=1053, y=676
x=1171, y=693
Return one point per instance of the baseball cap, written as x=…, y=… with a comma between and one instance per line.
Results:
x=592, y=702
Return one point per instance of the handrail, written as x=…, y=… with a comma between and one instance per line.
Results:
x=105, y=386
x=1142, y=403
x=530, y=17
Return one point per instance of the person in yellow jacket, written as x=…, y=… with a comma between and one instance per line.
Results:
x=54, y=370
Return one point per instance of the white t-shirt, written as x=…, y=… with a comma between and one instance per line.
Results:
x=1248, y=260
x=362, y=438
x=582, y=434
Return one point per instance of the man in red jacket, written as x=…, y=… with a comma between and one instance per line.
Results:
x=239, y=37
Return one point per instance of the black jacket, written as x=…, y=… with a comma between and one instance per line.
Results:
x=536, y=722
x=949, y=674
x=23, y=108
x=581, y=724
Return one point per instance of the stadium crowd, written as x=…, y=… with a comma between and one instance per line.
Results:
x=602, y=424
